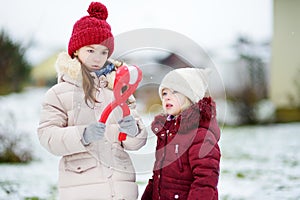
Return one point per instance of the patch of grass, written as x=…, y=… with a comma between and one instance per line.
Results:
x=32, y=198
x=141, y=182
x=240, y=175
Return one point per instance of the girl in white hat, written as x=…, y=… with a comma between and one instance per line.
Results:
x=187, y=151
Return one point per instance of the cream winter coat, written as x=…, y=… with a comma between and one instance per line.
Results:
x=101, y=170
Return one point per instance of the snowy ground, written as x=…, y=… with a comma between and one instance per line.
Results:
x=261, y=162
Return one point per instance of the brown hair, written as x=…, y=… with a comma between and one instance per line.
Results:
x=88, y=86
x=88, y=82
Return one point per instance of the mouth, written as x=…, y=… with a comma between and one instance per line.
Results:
x=95, y=67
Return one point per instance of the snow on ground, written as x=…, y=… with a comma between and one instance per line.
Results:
x=258, y=162
x=261, y=162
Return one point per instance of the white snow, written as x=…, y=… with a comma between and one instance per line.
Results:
x=258, y=162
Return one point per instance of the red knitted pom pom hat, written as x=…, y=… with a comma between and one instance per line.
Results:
x=92, y=29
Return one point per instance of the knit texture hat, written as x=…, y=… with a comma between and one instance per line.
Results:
x=92, y=29
x=191, y=82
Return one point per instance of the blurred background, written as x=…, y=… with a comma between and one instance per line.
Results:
x=252, y=47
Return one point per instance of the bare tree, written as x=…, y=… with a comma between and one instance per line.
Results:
x=254, y=87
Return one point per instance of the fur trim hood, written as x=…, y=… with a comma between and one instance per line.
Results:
x=200, y=114
x=65, y=65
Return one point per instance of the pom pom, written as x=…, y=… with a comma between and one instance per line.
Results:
x=98, y=10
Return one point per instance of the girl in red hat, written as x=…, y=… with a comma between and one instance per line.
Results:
x=94, y=164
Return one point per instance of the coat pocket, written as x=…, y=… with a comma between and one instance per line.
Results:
x=80, y=165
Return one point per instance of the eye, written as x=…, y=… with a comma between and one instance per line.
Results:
x=105, y=52
x=164, y=93
x=174, y=92
x=90, y=50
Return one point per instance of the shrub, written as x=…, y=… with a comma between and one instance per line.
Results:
x=15, y=70
x=14, y=146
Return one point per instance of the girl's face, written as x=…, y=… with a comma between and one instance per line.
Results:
x=93, y=56
x=173, y=102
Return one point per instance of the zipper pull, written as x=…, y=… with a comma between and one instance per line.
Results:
x=178, y=158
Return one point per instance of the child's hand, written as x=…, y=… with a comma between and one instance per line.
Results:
x=128, y=125
x=93, y=132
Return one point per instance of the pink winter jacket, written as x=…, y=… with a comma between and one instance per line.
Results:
x=101, y=170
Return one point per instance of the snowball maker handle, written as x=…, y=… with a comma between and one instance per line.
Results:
x=126, y=82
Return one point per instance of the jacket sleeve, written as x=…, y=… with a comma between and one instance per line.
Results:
x=135, y=143
x=147, y=195
x=53, y=131
x=204, y=158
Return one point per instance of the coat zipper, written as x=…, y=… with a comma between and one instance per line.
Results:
x=178, y=157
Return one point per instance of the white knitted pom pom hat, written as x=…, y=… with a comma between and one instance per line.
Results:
x=191, y=82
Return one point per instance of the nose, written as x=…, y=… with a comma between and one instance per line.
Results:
x=166, y=96
x=97, y=58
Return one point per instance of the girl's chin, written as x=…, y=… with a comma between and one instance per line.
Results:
x=172, y=113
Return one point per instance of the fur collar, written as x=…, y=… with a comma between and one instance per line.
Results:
x=66, y=66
